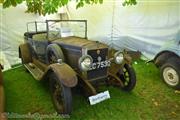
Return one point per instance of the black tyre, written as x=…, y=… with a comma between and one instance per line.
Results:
x=170, y=73
x=54, y=53
x=61, y=95
x=128, y=77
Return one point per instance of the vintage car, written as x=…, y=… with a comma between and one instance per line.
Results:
x=168, y=60
x=58, y=51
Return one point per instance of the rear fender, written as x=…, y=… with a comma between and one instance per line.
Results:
x=64, y=72
x=24, y=53
x=163, y=56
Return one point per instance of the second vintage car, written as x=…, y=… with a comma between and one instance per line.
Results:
x=58, y=51
x=168, y=60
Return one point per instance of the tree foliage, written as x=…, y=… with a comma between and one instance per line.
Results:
x=1, y=1
x=43, y=7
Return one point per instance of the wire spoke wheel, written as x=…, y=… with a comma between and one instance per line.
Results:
x=58, y=96
x=52, y=57
x=61, y=95
x=54, y=53
x=128, y=77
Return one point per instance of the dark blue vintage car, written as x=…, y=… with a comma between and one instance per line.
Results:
x=58, y=51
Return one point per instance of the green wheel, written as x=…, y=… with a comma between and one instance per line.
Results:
x=128, y=77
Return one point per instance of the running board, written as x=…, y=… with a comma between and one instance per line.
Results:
x=34, y=70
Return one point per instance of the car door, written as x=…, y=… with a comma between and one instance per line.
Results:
x=39, y=45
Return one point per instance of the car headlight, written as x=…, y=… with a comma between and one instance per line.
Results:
x=85, y=62
x=119, y=57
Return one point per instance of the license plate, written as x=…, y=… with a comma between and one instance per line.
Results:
x=99, y=97
x=101, y=64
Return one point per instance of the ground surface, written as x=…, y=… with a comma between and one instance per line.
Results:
x=151, y=99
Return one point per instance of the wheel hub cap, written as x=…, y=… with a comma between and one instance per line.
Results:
x=170, y=76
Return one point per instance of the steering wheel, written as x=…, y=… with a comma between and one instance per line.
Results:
x=56, y=33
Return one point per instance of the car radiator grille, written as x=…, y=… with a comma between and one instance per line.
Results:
x=100, y=72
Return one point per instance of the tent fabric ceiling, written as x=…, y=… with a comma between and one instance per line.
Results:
x=12, y=27
x=146, y=27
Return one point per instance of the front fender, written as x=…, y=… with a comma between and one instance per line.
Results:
x=65, y=73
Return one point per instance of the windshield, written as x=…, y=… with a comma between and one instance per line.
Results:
x=36, y=26
x=65, y=28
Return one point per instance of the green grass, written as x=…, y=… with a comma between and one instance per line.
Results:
x=150, y=100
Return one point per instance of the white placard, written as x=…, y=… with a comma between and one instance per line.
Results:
x=99, y=97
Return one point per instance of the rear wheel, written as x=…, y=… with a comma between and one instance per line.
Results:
x=128, y=77
x=170, y=73
x=61, y=95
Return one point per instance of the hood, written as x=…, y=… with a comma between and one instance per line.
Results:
x=80, y=42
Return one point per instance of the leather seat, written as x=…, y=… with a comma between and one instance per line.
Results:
x=40, y=37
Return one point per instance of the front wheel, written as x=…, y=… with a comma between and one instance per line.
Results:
x=170, y=73
x=128, y=77
x=61, y=95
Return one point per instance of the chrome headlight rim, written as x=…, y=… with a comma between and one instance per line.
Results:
x=82, y=66
x=119, y=57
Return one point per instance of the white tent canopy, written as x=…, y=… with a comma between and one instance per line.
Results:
x=146, y=26
x=12, y=27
